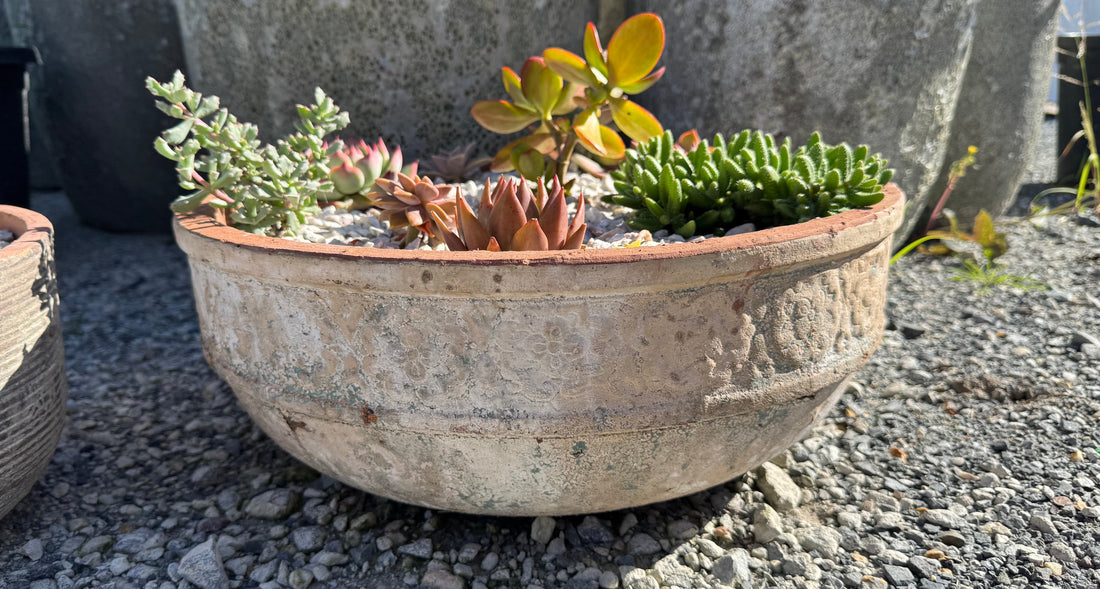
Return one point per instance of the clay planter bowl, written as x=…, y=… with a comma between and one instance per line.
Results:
x=32, y=362
x=545, y=382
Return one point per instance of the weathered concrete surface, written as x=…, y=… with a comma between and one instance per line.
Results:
x=101, y=120
x=1000, y=108
x=32, y=364
x=406, y=71
x=542, y=383
x=882, y=73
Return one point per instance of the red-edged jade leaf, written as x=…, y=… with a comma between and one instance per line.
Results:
x=593, y=51
x=513, y=87
x=635, y=48
x=540, y=85
x=635, y=121
x=587, y=127
x=570, y=66
x=502, y=117
x=643, y=84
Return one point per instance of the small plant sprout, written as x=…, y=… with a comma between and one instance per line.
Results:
x=690, y=186
x=221, y=162
x=559, y=82
x=512, y=218
x=456, y=165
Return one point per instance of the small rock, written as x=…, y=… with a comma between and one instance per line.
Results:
x=925, y=568
x=944, y=518
x=709, y=548
x=593, y=531
x=276, y=504
x=202, y=567
x=1063, y=552
x=1054, y=567
x=766, y=524
x=442, y=579
x=642, y=544
x=824, y=540
x=778, y=488
x=897, y=576
x=638, y=579
x=308, y=539
x=1043, y=525
x=422, y=548
x=733, y=567
x=682, y=529
x=629, y=521
x=953, y=538
x=490, y=561
x=301, y=578
x=542, y=529
x=849, y=518
x=668, y=571
x=609, y=580
x=33, y=549
x=94, y=545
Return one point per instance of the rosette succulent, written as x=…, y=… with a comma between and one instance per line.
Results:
x=512, y=218
x=751, y=178
x=559, y=82
x=405, y=200
x=354, y=169
x=456, y=165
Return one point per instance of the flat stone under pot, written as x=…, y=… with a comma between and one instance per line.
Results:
x=542, y=383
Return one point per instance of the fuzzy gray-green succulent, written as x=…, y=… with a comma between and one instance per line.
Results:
x=750, y=179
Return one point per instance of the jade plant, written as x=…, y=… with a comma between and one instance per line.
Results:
x=354, y=169
x=692, y=186
x=559, y=83
x=512, y=218
x=221, y=162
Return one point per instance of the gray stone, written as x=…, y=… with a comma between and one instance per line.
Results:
x=682, y=529
x=897, y=576
x=96, y=544
x=275, y=504
x=953, y=538
x=608, y=580
x=639, y=579
x=302, y=578
x=1043, y=524
x=442, y=579
x=766, y=524
x=924, y=567
x=33, y=549
x=709, y=549
x=944, y=518
x=884, y=74
x=733, y=568
x=669, y=571
x=824, y=540
x=122, y=42
x=490, y=561
x=1062, y=552
x=423, y=75
x=593, y=531
x=1000, y=104
x=202, y=566
x=642, y=544
x=778, y=488
x=422, y=548
x=542, y=529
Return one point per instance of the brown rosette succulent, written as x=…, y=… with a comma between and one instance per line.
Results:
x=511, y=218
x=456, y=165
x=404, y=202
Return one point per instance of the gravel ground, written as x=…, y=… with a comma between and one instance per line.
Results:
x=964, y=455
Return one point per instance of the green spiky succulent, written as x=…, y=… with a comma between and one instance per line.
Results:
x=750, y=179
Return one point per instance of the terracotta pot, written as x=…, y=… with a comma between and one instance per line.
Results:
x=32, y=362
x=542, y=382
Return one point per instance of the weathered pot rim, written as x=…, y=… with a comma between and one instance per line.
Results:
x=30, y=229
x=203, y=225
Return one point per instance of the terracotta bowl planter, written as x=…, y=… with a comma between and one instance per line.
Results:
x=32, y=362
x=542, y=383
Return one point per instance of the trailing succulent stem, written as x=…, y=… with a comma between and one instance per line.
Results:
x=511, y=217
x=559, y=82
x=708, y=189
x=221, y=162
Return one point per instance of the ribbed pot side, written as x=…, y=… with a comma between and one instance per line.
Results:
x=542, y=383
x=32, y=364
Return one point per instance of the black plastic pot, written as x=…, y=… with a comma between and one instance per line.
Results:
x=14, y=140
x=1070, y=96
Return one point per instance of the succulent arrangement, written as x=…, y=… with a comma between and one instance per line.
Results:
x=262, y=188
x=710, y=188
x=688, y=185
x=559, y=83
x=512, y=218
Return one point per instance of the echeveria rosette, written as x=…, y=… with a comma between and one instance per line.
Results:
x=405, y=200
x=354, y=169
x=559, y=82
x=510, y=217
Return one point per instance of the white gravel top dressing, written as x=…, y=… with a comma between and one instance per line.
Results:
x=607, y=226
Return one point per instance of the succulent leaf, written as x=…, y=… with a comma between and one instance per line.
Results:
x=635, y=48
x=502, y=117
x=635, y=121
x=570, y=66
x=593, y=51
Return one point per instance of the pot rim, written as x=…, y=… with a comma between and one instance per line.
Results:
x=203, y=225
x=30, y=229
